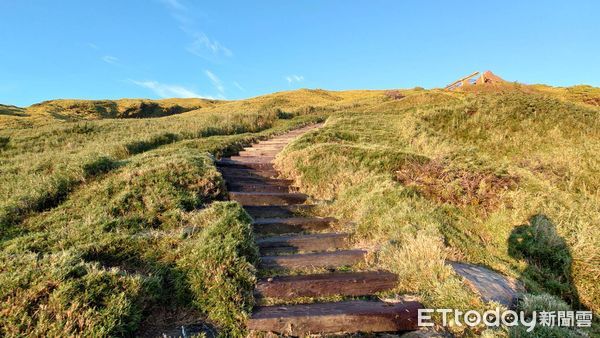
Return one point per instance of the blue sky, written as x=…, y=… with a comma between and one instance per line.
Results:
x=228, y=49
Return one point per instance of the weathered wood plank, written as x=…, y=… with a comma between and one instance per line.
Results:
x=225, y=162
x=252, y=159
x=334, y=259
x=338, y=317
x=237, y=173
x=267, y=198
x=323, y=285
x=291, y=224
x=311, y=242
x=271, y=153
x=256, y=187
x=267, y=211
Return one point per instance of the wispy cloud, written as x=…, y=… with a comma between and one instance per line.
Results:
x=205, y=47
x=93, y=45
x=169, y=90
x=201, y=44
x=294, y=78
x=110, y=59
x=238, y=86
x=217, y=83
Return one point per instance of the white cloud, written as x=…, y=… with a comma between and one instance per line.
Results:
x=294, y=78
x=202, y=43
x=173, y=4
x=110, y=59
x=93, y=46
x=238, y=86
x=168, y=90
x=215, y=81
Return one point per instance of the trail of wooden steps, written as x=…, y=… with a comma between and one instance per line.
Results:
x=323, y=285
x=291, y=240
x=349, y=316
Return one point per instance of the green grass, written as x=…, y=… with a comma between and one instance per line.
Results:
x=110, y=211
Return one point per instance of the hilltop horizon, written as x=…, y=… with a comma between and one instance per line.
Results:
x=149, y=98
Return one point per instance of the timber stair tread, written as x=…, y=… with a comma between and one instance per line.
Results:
x=257, y=153
x=267, y=198
x=311, y=242
x=291, y=224
x=224, y=162
x=252, y=159
x=257, y=187
x=328, y=284
x=330, y=260
x=336, y=317
x=267, y=211
x=235, y=174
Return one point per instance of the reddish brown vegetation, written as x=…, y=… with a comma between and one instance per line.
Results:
x=394, y=94
x=455, y=186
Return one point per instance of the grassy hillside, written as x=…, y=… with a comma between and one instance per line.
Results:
x=110, y=211
x=506, y=177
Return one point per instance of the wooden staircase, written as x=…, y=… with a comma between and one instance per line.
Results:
x=302, y=258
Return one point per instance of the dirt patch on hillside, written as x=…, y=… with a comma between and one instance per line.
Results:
x=435, y=180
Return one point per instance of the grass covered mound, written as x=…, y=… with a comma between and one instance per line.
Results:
x=73, y=110
x=130, y=240
x=507, y=178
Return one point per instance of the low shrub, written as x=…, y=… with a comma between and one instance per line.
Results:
x=394, y=94
x=4, y=140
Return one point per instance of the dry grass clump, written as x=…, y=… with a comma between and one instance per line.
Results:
x=394, y=94
x=458, y=187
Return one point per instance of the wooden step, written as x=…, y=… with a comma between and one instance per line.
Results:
x=267, y=198
x=291, y=224
x=268, y=211
x=328, y=284
x=252, y=159
x=275, y=141
x=343, y=317
x=255, y=187
x=312, y=242
x=259, y=180
x=333, y=260
x=271, y=153
x=227, y=163
x=257, y=148
x=237, y=173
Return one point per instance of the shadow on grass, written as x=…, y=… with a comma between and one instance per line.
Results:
x=548, y=256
